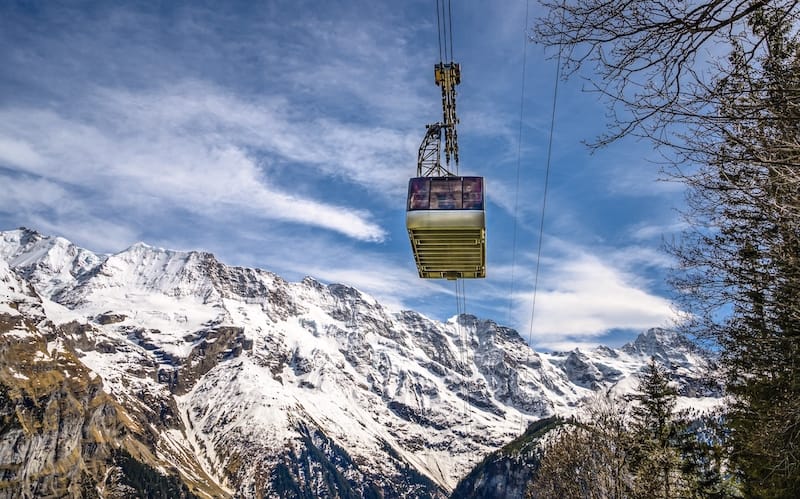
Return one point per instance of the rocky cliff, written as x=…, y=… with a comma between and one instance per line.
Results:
x=226, y=381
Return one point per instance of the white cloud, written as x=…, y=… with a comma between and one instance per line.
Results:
x=51, y=209
x=522, y=201
x=371, y=156
x=390, y=277
x=645, y=231
x=566, y=345
x=188, y=148
x=93, y=233
x=393, y=285
x=633, y=258
x=18, y=153
x=23, y=193
x=583, y=296
x=224, y=133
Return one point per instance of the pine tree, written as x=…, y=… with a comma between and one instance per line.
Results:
x=640, y=449
x=587, y=459
x=656, y=458
x=750, y=267
x=703, y=445
x=729, y=129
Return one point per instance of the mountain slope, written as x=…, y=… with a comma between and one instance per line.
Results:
x=245, y=384
x=61, y=433
x=507, y=472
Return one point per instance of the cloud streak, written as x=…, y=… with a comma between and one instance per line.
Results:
x=187, y=148
x=282, y=134
x=582, y=296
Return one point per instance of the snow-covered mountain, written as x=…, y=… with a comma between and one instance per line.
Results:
x=236, y=382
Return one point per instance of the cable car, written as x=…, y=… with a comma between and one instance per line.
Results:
x=446, y=224
x=445, y=214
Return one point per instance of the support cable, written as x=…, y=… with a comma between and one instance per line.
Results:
x=444, y=28
x=544, y=195
x=519, y=162
x=450, y=16
x=546, y=185
x=439, y=30
x=441, y=12
x=463, y=336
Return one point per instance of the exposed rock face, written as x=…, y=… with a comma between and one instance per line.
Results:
x=61, y=434
x=226, y=381
x=52, y=411
x=507, y=472
x=217, y=345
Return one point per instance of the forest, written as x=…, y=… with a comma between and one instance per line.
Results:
x=715, y=87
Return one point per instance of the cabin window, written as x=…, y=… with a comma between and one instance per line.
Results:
x=418, y=193
x=445, y=193
x=473, y=193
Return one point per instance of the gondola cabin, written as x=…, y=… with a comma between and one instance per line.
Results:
x=447, y=226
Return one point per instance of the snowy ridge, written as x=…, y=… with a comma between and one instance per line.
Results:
x=49, y=262
x=257, y=377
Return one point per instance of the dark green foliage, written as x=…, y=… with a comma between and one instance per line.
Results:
x=147, y=481
x=588, y=459
x=533, y=433
x=715, y=85
x=655, y=399
x=704, y=458
x=644, y=450
x=654, y=433
x=745, y=278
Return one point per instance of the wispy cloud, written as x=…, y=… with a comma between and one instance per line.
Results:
x=190, y=122
x=281, y=135
x=55, y=210
x=649, y=231
x=583, y=295
x=18, y=152
x=189, y=147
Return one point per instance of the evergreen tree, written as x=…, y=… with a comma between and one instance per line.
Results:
x=743, y=280
x=703, y=447
x=639, y=450
x=587, y=459
x=730, y=130
x=656, y=457
x=655, y=397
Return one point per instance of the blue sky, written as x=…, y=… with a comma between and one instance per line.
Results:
x=281, y=135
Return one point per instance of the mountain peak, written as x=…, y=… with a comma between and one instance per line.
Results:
x=141, y=245
x=656, y=341
x=239, y=371
x=49, y=262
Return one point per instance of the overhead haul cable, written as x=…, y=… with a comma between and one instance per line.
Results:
x=519, y=162
x=544, y=194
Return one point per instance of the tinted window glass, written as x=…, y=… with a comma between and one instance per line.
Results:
x=418, y=193
x=473, y=193
x=446, y=194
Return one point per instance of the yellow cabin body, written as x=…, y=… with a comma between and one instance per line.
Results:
x=446, y=225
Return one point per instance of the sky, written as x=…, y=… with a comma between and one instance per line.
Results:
x=282, y=134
